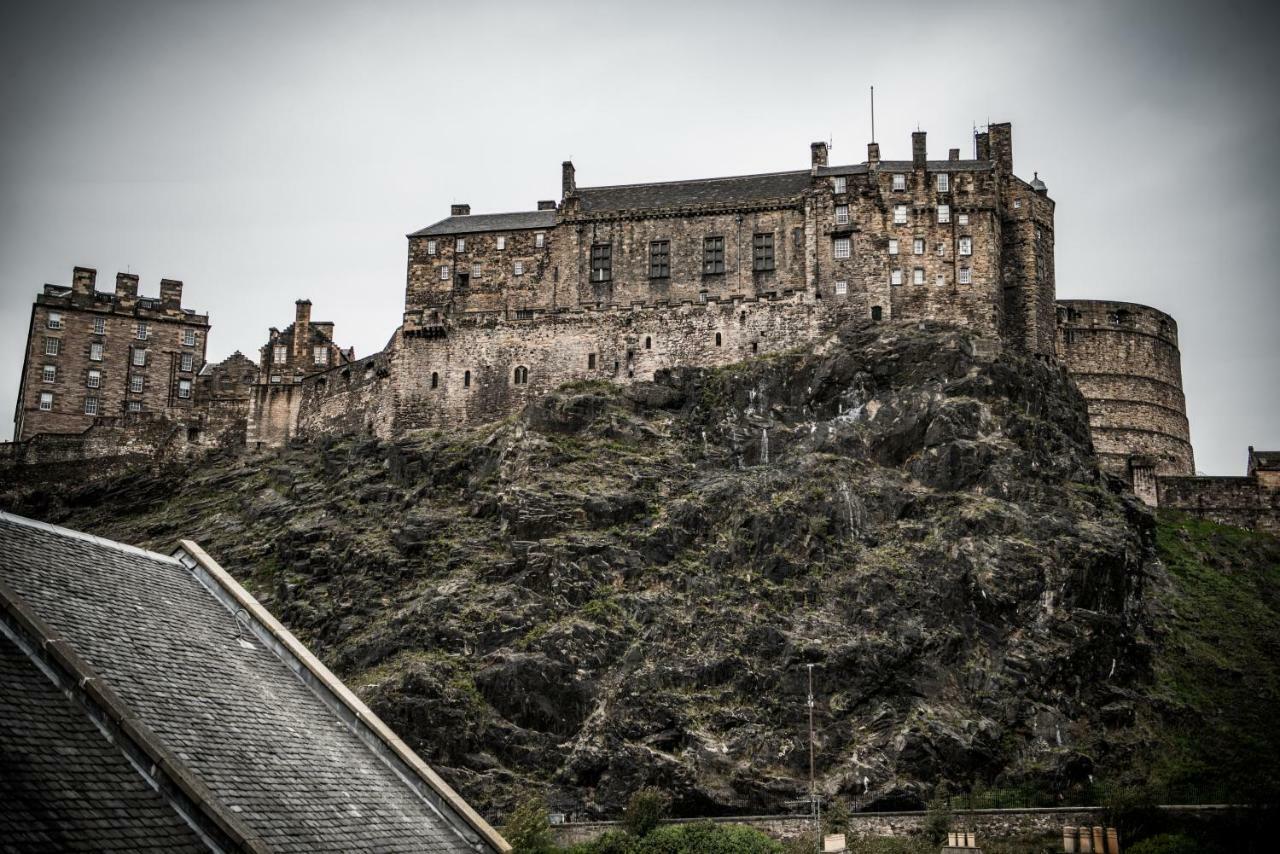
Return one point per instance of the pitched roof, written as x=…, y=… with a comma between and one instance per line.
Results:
x=260, y=738
x=1265, y=460
x=489, y=222
x=739, y=189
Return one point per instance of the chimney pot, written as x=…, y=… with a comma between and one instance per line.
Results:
x=460, y=210
x=918, y=150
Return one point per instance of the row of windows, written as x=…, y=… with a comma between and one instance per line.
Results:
x=842, y=247
x=477, y=271
x=460, y=244
x=319, y=354
x=141, y=330
x=762, y=257
x=138, y=357
x=942, y=181
x=91, y=401
x=901, y=215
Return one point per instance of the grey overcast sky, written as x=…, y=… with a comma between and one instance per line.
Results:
x=266, y=151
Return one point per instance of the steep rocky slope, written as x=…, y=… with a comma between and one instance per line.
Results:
x=623, y=586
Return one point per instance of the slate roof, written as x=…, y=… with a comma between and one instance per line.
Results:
x=199, y=664
x=739, y=189
x=489, y=222
x=1266, y=460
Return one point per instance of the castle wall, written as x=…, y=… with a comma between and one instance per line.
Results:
x=1241, y=501
x=1125, y=360
x=355, y=399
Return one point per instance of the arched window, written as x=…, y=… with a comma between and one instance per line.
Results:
x=648, y=343
x=435, y=380
x=521, y=375
x=717, y=339
x=876, y=312
x=466, y=379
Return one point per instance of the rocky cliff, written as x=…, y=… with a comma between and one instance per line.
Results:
x=623, y=586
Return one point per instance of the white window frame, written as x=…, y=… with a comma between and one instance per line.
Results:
x=899, y=214
x=460, y=244
x=137, y=383
x=184, y=388
x=943, y=182
x=895, y=276
x=141, y=332
x=899, y=182
x=966, y=246
x=917, y=276
x=501, y=242
x=518, y=268
x=188, y=338
x=49, y=374
x=444, y=272
x=320, y=355
x=46, y=401
x=54, y=320
x=139, y=359
x=94, y=379
x=842, y=247
x=966, y=276
x=279, y=354
x=135, y=406
x=275, y=378
x=917, y=246
x=893, y=246
x=539, y=239
x=962, y=219
x=187, y=362
x=431, y=247
x=99, y=326
x=842, y=214
x=839, y=184
x=944, y=213
x=476, y=269
x=91, y=405
x=842, y=288
x=52, y=346
x=95, y=351
x=1017, y=203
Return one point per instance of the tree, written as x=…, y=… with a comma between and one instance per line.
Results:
x=647, y=807
x=528, y=830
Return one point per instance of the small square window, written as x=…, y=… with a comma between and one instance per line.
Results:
x=899, y=181
x=141, y=332
x=444, y=273
x=502, y=242
x=895, y=277
x=460, y=245
x=46, y=401
x=966, y=276
x=519, y=268
x=94, y=380
x=944, y=213
x=187, y=362
x=49, y=374
x=899, y=214
x=917, y=246
x=842, y=288
x=95, y=351
x=135, y=383
x=917, y=276
x=431, y=247
x=476, y=269
x=91, y=406
x=839, y=184
x=962, y=219
x=539, y=239
x=842, y=214
x=51, y=346
x=944, y=183
x=966, y=246
x=893, y=246
x=842, y=247
x=99, y=326
x=184, y=388
x=55, y=320
x=188, y=338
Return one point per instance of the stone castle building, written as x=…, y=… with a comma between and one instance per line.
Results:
x=617, y=282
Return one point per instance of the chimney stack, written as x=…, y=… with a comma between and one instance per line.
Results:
x=953, y=155
x=873, y=152
x=301, y=331
x=1002, y=146
x=171, y=293
x=302, y=313
x=918, y=149
x=817, y=156
x=982, y=146
x=82, y=280
x=126, y=286
x=460, y=210
x=567, y=184
x=547, y=205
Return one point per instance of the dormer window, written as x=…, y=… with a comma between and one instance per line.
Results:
x=839, y=184
x=899, y=181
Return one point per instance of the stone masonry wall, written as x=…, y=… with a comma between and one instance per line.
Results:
x=1241, y=501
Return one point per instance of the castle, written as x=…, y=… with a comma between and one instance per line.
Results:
x=617, y=282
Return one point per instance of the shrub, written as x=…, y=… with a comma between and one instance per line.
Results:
x=528, y=830
x=706, y=837
x=647, y=807
x=1166, y=843
x=612, y=842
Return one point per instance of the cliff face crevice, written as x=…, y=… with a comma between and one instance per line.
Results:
x=623, y=586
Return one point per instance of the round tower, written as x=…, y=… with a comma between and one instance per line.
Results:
x=1124, y=358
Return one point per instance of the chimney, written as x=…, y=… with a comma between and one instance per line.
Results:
x=1002, y=147
x=301, y=330
x=82, y=280
x=873, y=152
x=982, y=146
x=918, y=149
x=817, y=156
x=953, y=155
x=126, y=286
x=171, y=293
x=460, y=210
x=302, y=311
x=547, y=205
x=567, y=185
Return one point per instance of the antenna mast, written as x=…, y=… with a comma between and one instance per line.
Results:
x=873, y=114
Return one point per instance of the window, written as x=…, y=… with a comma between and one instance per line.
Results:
x=279, y=354
x=95, y=351
x=139, y=357
x=462, y=280
x=135, y=406
x=965, y=276
x=944, y=183
x=660, y=259
x=899, y=181
x=944, y=213
x=94, y=380
x=899, y=214
x=188, y=338
x=431, y=247
x=466, y=379
x=521, y=375
x=187, y=362
x=49, y=374
x=601, y=262
x=46, y=401
x=917, y=276
x=718, y=339
x=842, y=214
x=99, y=326
x=51, y=346
x=135, y=383
x=146, y=303
x=876, y=312
x=591, y=361
x=320, y=355
x=55, y=320
x=184, y=388
x=1017, y=203
x=966, y=246
x=91, y=406
x=940, y=279
x=893, y=246
x=839, y=184
x=841, y=247
x=435, y=379
x=1073, y=335
x=917, y=246
x=941, y=249
x=540, y=239
x=762, y=252
x=460, y=244
x=648, y=343
x=475, y=270
x=444, y=273
x=275, y=378
x=141, y=332
x=962, y=219
x=713, y=254
x=842, y=288
x=502, y=242
x=518, y=269
x=895, y=277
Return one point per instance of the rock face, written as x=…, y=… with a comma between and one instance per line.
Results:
x=622, y=587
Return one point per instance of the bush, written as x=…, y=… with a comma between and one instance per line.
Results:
x=612, y=842
x=1166, y=843
x=528, y=830
x=706, y=837
x=646, y=808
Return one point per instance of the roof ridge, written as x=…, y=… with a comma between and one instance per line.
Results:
x=696, y=180
x=23, y=521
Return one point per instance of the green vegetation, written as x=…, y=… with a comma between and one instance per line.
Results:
x=646, y=808
x=528, y=830
x=1166, y=843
